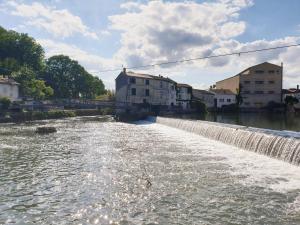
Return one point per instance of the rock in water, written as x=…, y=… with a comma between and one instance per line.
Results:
x=45, y=130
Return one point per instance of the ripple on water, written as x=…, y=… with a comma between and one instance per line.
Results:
x=95, y=172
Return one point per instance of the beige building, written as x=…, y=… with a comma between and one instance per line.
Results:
x=184, y=96
x=9, y=88
x=137, y=88
x=258, y=85
x=207, y=97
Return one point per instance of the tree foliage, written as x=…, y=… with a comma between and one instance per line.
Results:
x=70, y=80
x=290, y=100
x=17, y=50
x=22, y=58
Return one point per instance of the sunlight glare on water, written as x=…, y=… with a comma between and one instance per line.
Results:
x=95, y=172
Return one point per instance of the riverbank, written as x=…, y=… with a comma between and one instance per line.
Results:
x=15, y=117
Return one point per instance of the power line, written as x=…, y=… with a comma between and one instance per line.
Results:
x=201, y=58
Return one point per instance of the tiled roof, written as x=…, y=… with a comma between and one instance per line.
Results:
x=184, y=85
x=148, y=76
x=222, y=91
x=203, y=92
x=4, y=80
x=290, y=91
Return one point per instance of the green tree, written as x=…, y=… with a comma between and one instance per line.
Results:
x=30, y=86
x=71, y=80
x=290, y=100
x=4, y=103
x=17, y=50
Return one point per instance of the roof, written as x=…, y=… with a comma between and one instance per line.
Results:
x=5, y=80
x=222, y=91
x=248, y=69
x=184, y=85
x=148, y=76
x=203, y=92
x=291, y=91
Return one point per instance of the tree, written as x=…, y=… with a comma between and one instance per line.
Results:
x=4, y=103
x=70, y=80
x=290, y=100
x=17, y=50
x=239, y=98
x=30, y=86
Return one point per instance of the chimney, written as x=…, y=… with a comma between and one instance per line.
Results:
x=297, y=86
x=124, y=70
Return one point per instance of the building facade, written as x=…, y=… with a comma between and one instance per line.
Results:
x=223, y=97
x=207, y=97
x=9, y=88
x=184, y=96
x=258, y=85
x=137, y=88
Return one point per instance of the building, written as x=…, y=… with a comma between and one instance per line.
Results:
x=207, y=97
x=223, y=97
x=184, y=96
x=294, y=92
x=258, y=85
x=137, y=88
x=9, y=88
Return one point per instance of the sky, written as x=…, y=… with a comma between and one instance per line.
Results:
x=111, y=34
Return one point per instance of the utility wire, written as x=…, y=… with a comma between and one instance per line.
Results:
x=201, y=58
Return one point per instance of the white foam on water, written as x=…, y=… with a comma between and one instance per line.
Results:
x=251, y=168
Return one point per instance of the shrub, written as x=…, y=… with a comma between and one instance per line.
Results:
x=107, y=111
x=199, y=106
x=4, y=103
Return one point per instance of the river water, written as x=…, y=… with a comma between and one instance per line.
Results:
x=96, y=171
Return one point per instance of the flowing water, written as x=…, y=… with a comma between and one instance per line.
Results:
x=96, y=171
x=277, y=144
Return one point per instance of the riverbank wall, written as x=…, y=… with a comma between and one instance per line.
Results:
x=15, y=117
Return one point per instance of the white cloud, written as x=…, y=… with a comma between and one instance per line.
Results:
x=59, y=23
x=159, y=31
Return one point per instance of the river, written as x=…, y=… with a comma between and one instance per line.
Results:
x=97, y=171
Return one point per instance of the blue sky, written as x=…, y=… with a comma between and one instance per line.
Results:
x=104, y=34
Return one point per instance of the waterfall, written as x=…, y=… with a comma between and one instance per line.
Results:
x=276, y=144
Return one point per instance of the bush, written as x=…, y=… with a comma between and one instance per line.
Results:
x=107, y=111
x=4, y=103
x=199, y=106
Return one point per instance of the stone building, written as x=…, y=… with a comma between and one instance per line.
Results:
x=258, y=85
x=137, y=88
x=207, y=97
x=9, y=88
x=184, y=96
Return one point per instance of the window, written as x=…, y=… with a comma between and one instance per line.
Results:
x=161, y=84
x=132, y=80
x=147, y=82
x=147, y=93
x=259, y=92
x=271, y=71
x=221, y=100
x=246, y=92
x=271, y=81
x=259, y=82
x=246, y=103
x=271, y=92
x=228, y=100
x=133, y=91
x=259, y=71
x=247, y=82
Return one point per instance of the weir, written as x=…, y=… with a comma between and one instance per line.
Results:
x=282, y=145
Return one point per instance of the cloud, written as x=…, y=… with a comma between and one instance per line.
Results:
x=59, y=23
x=160, y=31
